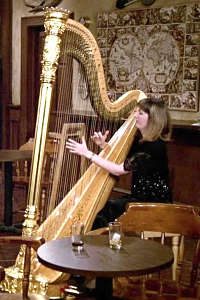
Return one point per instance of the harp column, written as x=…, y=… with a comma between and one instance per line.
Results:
x=55, y=25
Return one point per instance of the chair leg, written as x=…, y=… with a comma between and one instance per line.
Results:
x=180, y=259
x=181, y=249
x=175, y=248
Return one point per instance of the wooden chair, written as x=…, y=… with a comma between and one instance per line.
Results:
x=173, y=219
x=29, y=243
x=54, y=152
x=21, y=177
x=21, y=169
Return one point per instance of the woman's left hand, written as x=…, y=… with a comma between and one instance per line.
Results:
x=77, y=148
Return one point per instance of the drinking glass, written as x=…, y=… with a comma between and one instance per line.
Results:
x=115, y=235
x=77, y=233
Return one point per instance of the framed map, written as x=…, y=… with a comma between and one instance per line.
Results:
x=155, y=50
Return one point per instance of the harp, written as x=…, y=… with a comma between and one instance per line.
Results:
x=66, y=43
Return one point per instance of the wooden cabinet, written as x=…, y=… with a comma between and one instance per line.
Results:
x=184, y=161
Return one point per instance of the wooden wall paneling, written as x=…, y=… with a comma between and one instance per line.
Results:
x=5, y=78
x=14, y=119
x=31, y=28
x=184, y=160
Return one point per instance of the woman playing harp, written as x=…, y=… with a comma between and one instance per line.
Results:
x=147, y=160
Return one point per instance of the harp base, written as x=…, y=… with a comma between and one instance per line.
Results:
x=13, y=284
x=38, y=284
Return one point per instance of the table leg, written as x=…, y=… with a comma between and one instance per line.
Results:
x=104, y=288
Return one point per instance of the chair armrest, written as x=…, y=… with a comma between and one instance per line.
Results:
x=103, y=230
x=32, y=242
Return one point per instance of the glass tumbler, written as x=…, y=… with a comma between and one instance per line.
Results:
x=115, y=235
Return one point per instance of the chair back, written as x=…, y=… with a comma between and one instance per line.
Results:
x=166, y=218
x=173, y=218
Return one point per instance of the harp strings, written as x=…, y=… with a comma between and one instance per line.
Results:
x=70, y=164
x=72, y=88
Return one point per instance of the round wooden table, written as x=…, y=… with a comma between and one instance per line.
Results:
x=136, y=257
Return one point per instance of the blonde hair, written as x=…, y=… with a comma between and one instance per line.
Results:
x=159, y=124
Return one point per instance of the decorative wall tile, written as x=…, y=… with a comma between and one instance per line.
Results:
x=155, y=50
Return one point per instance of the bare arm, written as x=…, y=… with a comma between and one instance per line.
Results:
x=81, y=149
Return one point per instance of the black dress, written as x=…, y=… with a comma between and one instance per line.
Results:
x=148, y=164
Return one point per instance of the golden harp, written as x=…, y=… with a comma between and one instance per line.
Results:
x=66, y=43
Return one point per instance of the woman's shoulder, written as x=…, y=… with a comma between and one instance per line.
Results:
x=157, y=147
x=157, y=142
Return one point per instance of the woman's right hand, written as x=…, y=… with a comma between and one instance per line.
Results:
x=100, y=139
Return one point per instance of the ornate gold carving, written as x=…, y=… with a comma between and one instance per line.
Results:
x=55, y=25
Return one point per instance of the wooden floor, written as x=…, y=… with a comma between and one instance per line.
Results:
x=8, y=255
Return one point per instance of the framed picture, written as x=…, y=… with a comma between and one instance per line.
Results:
x=155, y=50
